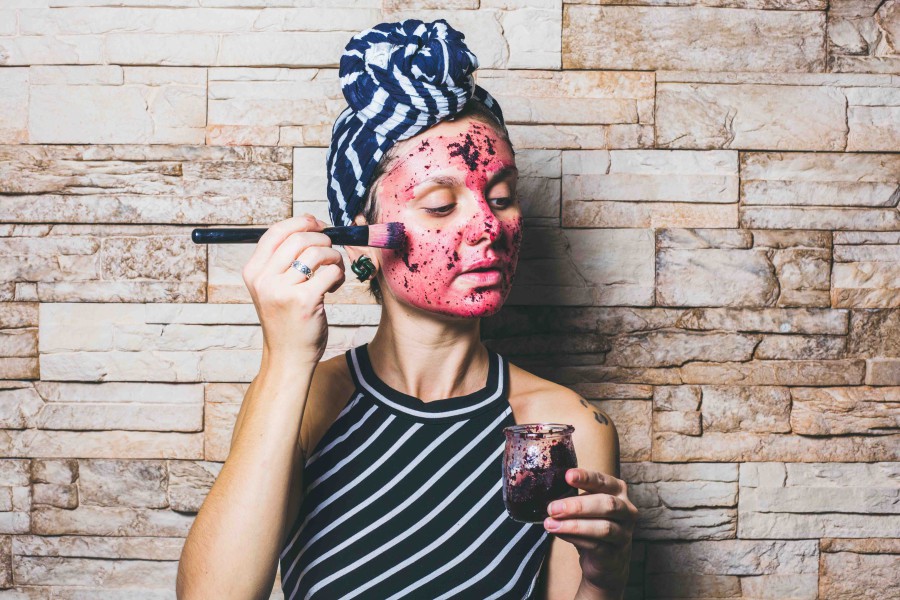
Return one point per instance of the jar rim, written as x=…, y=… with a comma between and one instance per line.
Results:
x=539, y=430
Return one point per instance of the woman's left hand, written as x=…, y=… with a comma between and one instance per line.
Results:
x=600, y=524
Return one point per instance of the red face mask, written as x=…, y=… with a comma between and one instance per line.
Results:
x=453, y=228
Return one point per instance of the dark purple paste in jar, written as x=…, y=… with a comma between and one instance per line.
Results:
x=536, y=468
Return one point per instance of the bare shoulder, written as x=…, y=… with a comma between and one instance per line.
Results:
x=538, y=400
x=329, y=391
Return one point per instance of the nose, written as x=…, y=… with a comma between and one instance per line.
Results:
x=483, y=224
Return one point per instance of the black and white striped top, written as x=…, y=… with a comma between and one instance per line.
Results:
x=403, y=500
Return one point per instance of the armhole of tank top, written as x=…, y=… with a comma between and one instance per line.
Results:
x=331, y=425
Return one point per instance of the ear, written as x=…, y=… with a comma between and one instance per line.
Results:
x=354, y=252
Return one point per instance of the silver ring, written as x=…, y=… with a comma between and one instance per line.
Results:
x=302, y=268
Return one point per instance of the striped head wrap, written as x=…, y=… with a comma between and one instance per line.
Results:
x=399, y=79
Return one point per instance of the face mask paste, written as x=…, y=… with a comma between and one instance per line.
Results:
x=479, y=223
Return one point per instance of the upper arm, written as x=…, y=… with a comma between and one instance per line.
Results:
x=596, y=444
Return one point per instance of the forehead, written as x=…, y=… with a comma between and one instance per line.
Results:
x=475, y=142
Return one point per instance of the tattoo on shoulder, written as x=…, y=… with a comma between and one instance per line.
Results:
x=597, y=416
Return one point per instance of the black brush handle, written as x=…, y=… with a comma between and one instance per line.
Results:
x=350, y=235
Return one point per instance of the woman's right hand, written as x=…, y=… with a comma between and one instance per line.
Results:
x=291, y=309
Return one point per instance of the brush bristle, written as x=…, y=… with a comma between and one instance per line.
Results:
x=387, y=235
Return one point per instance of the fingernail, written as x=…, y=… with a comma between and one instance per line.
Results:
x=555, y=508
x=576, y=477
x=551, y=524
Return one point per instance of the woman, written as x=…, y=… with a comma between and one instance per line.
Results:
x=389, y=484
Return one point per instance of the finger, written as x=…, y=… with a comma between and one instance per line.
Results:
x=328, y=278
x=292, y=247
x=314, y=257
x=599, y=505
x=597, y=530
x=595, y=482
x=275, y=235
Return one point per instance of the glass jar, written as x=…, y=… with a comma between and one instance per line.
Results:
x=535, y=461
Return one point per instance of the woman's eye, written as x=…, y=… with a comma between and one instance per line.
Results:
x=440, y=210
x=504, y=202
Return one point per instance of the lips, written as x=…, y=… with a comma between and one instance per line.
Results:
x=484, y=265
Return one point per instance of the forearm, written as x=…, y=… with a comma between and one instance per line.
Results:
x=233, y=545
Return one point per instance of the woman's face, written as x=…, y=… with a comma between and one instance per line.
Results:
x=454, y=189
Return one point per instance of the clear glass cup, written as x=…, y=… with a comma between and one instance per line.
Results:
x=535, y=462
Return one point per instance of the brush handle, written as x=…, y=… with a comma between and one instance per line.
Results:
x=349, y=235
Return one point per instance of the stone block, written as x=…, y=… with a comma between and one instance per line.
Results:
x=254, y=105
x=820, y=500
x=674, y=348
x=658, y=37
x=568, y=97
x=110, y=521
x=114, y=113
x=862, y=37
x=143, y=184
x=874, y=333
x=63, y=471
x=562, y=267
x=13, y=104
x=750, y=116
x=115, y=483
x=715, y=277
x=26, y=50
x=189, y=483
x=776, y=372
x=728, y=409
x=663, y=523
x=648, y=188
x=651, y=215
x=516, y=35
x=800, y=347
x=767, y=320
x=859, y=569
x=804, y=276
x=822, y=218
x=818, y=179
x=746, y=447
x=837, y=411
x=883, y=371
x=686, y=422
x=102, y=444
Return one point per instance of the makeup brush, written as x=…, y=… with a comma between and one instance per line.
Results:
x=378, y=235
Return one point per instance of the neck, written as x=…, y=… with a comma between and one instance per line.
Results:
x=426, y=357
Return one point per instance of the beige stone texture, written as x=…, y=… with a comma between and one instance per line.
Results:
x=715, y=277
x=819, y=179
x=734, y=409
x=866, y=272
x=863, y=36
x=776, y=372
x=149, y=184
x=819, y=500
x=835, y=411
x=858, y=568
x=750, y=116
x=883, y=371
x=584, y=267
x=648, y=38
x=569, y=97
x=751, y=447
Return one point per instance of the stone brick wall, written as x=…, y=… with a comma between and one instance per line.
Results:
x=712, y=256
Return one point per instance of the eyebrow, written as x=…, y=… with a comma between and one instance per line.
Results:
x=452, y=181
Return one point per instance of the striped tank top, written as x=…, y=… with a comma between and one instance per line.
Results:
x=403, y=499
